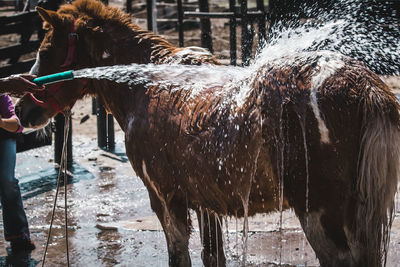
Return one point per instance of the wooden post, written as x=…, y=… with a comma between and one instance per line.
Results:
x=180, y=22
x=154, y=16
x=232, y=32
x=149, y=14
x=94, y=106
x=129, y=6
x=110, y=132
x=261, y=22
x=59, y=122
x=205, y=26
x=105, y=127
x=101, y=124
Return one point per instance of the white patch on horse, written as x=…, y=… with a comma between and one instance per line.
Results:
x=35, y=67
x=326, y=67
x=130, y=124
x=151, y=185
x=154, y=187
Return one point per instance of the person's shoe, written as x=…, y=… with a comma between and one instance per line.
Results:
x=23, y=245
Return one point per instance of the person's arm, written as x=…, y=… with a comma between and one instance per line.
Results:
x=11, y=125
x=19, y=84
x=8, y=120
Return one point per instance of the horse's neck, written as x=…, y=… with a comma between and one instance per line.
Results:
x=119, y=99
x=135, y=45
x=129, y=45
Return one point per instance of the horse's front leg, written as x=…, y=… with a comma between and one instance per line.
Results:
x=174, y=219
x=211, y=239
x=172, y=211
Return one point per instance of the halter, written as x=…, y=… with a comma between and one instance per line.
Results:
x=69, y=61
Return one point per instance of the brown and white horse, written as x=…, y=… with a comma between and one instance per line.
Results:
x=317, y=132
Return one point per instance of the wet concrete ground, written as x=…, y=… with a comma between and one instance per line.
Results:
x=111, y=223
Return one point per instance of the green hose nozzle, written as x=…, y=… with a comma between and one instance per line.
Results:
x=56, y=77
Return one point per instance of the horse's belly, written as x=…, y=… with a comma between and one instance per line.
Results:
x=208, y=180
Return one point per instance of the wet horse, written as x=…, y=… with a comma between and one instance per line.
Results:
x=315, y=132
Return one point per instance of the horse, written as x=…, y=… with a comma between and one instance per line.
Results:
x=315, y=132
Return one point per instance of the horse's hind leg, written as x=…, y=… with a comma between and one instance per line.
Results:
x=211, y=239
x=325, y=233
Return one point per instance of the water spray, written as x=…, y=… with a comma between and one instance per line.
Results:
x=53, y=78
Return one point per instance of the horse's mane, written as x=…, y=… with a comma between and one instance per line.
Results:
x=95, y=10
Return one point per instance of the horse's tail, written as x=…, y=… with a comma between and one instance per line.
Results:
x=378, y=171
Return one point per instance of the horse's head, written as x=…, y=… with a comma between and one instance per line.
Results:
x=59, y=51
x=69, y=43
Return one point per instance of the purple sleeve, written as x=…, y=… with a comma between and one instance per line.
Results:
x=7, y=110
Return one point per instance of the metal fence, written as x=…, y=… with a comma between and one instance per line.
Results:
x=238, y=15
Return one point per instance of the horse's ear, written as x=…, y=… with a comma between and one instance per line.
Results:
x=51, y=17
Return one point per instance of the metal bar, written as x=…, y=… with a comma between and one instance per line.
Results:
x=180, y=23
x=209, y=14
x=101, y=124
x=18, y=67
x=105, y=127
x=30, y=46
x=128, y=6
x=205, y=26
x=110, y=132
x=246, y=49
x=184, y=5
x=261, y=22
x=223, y=15
x=59, y=122
x=232, y=32
x=154, y=16
x=18, y=17
x=94, y=106
x=167, y=20
x=13, y=28
x=149, y=14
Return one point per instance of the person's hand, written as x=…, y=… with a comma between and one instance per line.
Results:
x=1, y=122
x=19, y=84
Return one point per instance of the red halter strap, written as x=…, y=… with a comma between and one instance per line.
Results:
x=69, y=61
x=50, y=100
x=71, y=55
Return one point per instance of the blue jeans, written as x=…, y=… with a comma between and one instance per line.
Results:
x=14, y=218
